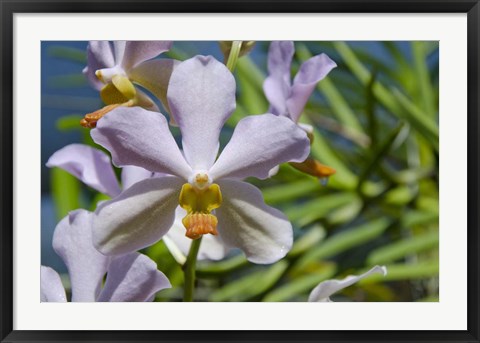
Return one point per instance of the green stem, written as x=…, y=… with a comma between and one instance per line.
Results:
x=189, y=270
x=234, y=53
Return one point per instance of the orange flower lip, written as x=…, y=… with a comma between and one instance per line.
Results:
x=90, y=120
x=314, y=168
x=198, y=224
x=199, y=203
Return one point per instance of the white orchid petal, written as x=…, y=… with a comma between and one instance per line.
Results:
x=89, y=165
x=99, y=56
x=132, y=174
x=277, y=85
x=246, y=222
x=72, y=241
x=138, y=217
x=51, y=288
x=201, y=96
x=280, y=55
x=133, y=277
x=142, y=138
x=136, y=52
x=155, y=76
x=119, y=50
x=325, y=289
x=258, y=144
x=310, y=73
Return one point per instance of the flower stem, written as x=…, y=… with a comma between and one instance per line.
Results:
x=234, y=53
x=189, y=270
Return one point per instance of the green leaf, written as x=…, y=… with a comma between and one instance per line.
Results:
x=69, y=122
x=177, y=54
x=345, y=213
x=428, y=203
x=318, y=208
x=430, y=298
x=418, y=119
x=96, y=199
x=335, y=99
x=290, y=191
x=253, y=74
x=322, y=151
x=307, y=241
x=426, y=94
x=396, y=272
x=236, y=116
x=403, y=71
x=396, y=103
x=301, y=285
x=397, y=250
x=379, y=154
x=251, y=285
x=341, y=242
x=67, y=81
x=65, y=192
x=399, y=196
x=213, y=269
x=414, y=217
x=250, y=97
x=412, y=175
x=72, y=54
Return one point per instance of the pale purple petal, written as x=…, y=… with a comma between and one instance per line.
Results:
x=155, y=75
x=272, y=172
x=51, y=288
x=201, y=95
x=277, y=84
x=244, y=221
x=258, y=144
x=306, y=127
x=280, y=54
x=137, y=52
x=99, y=56
x=72, y=241
x=119, y=49
x=310, y=73
x=89, y=165
x=131, y=175
x=325, y=289
x=211, y=248
x=138, y=137
x=138, y=217
x=133, y=277
x=145, y=101
x=277, y=93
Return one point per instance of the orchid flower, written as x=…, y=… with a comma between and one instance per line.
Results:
x=131, y=277
x=114, y=68
x=93, y=167
x=289, y=99
x=201, y=96
x=325, y=289
x=286, y=98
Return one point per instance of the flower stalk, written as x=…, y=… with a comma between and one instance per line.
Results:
x=234, y=54
x=189, y=270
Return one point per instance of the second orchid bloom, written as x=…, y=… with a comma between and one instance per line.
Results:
x=115, y=68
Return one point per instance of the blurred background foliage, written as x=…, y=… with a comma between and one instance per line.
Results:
x=376, y=122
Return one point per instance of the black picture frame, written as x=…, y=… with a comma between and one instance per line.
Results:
x=10, y=7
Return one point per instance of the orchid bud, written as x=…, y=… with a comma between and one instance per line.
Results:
x=226, y=46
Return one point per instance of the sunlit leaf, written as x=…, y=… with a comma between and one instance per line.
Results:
x=252, y=285
x=394, y=251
